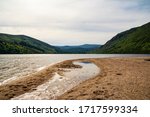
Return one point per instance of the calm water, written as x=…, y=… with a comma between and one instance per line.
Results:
x=59, y=84
x=21, y=65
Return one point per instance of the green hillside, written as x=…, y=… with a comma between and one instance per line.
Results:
x=133, y=41
x=21, y=44
x=78, y=49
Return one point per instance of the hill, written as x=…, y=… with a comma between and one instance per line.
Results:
x=80, y=49
x=133, y=41
x=21, y=44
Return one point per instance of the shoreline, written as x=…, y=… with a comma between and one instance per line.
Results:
x=120, y=78
x=29, y=83
x=61, y=83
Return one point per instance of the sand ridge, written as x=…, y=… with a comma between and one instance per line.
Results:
x=30, y=83
x=120, y=78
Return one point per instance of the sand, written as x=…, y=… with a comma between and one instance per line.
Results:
x=29, y=83
x=119, y=79
x=59, y=84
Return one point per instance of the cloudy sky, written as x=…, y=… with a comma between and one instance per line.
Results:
x=72, y=22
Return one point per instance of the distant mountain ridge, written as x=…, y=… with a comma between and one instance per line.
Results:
x=79, y=49
x=21, y=44
x=133, y=41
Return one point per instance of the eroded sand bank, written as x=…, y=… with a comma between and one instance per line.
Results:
x=49, y=82
x=119, y=78
x=59, y=84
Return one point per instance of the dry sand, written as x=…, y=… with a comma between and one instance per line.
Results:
x=30, y=83
x=120, y=78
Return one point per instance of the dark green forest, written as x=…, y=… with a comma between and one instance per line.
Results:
x=133, y=41
x=21, y=44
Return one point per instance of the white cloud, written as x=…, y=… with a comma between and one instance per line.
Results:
x=71, y=21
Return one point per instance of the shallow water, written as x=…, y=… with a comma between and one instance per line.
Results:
x=12, y=66
x=60, y=84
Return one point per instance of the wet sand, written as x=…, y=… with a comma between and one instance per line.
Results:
x=61, y=83
x=29, y=83
x=120, y=78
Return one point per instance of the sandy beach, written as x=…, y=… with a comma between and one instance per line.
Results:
x=119, y=79
x=29, y=83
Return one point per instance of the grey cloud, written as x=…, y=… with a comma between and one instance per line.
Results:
x=136, y=5
x=58, y=19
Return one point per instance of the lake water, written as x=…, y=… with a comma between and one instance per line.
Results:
x=12, y=66
x=59, y=84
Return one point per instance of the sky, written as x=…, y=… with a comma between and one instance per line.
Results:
x=72, y=22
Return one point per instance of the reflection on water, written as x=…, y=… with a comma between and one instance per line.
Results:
x=86, y=62
x=20, y=65
x=60, y=84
